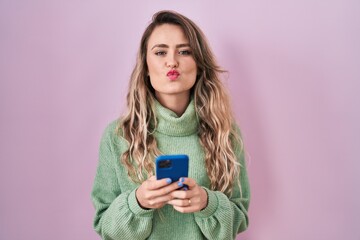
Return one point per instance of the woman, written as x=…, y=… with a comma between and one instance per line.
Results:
x=176, y=105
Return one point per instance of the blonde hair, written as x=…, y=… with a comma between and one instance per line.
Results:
x=216, y=130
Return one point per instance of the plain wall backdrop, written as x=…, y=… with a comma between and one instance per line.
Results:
x=294, y=79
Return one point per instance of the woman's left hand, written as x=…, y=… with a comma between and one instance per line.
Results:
x=193, y=199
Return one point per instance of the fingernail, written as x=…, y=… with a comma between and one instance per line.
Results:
x=168, y=180
x=180, y=184
x=185, y=188
x=182, y=179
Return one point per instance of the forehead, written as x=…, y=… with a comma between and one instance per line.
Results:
x=168, y=34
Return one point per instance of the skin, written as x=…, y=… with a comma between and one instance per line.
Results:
x=154, y=194
x=168, y=48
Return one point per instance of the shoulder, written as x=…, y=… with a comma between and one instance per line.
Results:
x=236, y=129
x=112, y=134
x=237, y=139
x=111, y=129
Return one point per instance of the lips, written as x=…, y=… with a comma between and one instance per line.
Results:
x=173, y=74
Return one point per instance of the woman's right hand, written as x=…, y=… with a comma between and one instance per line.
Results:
x=154, y=193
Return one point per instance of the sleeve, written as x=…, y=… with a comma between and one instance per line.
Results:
x=117, y=214
x=225, y=217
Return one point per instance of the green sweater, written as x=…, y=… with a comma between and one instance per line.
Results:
x=118, y=214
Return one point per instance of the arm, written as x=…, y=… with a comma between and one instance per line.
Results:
x=217, y=215
x=118, y=215
x=225, y=217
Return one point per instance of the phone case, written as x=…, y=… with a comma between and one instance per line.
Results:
x=172, y=166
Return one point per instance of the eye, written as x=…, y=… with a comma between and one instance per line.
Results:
x=185, y=52
x=160, y=53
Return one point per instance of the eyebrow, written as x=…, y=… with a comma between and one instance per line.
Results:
x=167, y=46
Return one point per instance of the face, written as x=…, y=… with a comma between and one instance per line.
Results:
x=172, y=68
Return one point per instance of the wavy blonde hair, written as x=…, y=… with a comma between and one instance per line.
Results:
x=216, y=130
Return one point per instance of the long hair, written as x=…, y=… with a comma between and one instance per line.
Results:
x=216, y=123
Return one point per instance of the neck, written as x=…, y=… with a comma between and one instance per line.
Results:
x=176, y=103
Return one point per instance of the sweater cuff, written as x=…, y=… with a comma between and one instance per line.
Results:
x=135, y=207
x=210, y=209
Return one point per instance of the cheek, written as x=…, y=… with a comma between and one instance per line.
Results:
x=150, y=66
x=153, y=65
x=187, y=64
x=193, y=68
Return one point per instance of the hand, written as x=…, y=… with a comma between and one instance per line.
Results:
x=192, y=200
x=154, y=193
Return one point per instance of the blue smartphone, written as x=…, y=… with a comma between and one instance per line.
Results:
x=172, y=166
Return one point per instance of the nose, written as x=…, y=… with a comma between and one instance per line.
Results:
x=171, y=61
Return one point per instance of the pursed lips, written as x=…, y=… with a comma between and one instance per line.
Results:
x=173, y=74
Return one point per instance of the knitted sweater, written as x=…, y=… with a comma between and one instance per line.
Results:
x=118, y=214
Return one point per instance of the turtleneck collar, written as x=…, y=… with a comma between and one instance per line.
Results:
x=169, y=123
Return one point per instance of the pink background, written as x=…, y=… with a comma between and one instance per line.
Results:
x=294, y=78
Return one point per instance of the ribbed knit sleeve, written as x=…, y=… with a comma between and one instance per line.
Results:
x=118, y=215
x=225, y=217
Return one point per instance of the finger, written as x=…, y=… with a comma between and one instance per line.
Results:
x=159, y=200
x=153, y=184
x=166, y=190
x=180, y=194
x=191, y=183
x=180, y=202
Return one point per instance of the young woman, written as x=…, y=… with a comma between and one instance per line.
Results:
x=176, y=105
